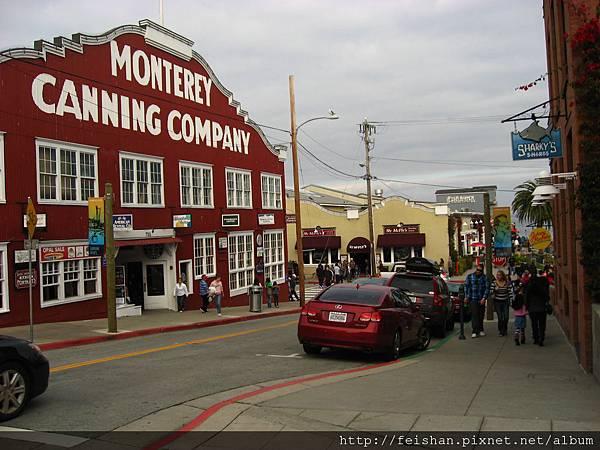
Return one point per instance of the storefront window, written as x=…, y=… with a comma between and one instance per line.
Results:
x=418, y=251
x=387, y=255
x=273, y=255
x=321, y=256
x=401, y=253
x=67, y=275
x=204, y=255
x=241, y=261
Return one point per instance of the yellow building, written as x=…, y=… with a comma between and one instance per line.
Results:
x=335, y=227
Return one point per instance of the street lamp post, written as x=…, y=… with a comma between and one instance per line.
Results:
x=294, y=133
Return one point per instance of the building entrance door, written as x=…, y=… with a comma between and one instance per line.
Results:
x=135, y=283
x=362, y=262
x=154, y=276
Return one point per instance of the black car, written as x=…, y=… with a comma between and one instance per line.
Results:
x=457, y=292
x=24, y=372
x=423, y=283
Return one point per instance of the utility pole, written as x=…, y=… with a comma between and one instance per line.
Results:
x=487, y=218
x=366, y=129
x=299, y=248
x=111, y=302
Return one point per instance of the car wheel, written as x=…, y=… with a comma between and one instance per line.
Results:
x=14, y=390
x=394, y=351
x=424, y=338
x=311, y=349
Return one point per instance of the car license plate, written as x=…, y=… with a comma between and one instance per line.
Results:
x=335, y=316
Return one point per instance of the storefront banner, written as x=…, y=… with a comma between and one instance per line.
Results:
x=96, y=221
x=502, y=231
x=122, y=222
x=182, y=221
x=535, y=142
x=407, y=228
x=61, y=252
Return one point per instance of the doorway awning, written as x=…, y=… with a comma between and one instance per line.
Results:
x=136, y=242
x=401, y=240
x=359, y=245
x=321, y=242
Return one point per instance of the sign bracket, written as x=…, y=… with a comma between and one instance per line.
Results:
x=516, y=117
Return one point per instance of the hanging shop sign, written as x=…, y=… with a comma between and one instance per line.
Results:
x=230, y=220
x=123, y=222
x=540, y=238
x=536, y=142
x=318, y=231
x=96, y=221
x=406, y=228
x=182, y=221
x=266, y=219
x=502, y=231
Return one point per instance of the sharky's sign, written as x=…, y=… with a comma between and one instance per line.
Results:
x=535, y=142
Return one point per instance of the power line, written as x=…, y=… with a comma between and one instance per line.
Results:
x=446, y=163
x=326, y=164
x=327, y=148
x=434, y=185
x=439, y=121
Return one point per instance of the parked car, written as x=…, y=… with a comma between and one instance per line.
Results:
x=24, y=372
x=366, y=317
x=457, y=292
x=423, y=283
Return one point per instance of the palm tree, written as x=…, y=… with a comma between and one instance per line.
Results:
x=525, y=211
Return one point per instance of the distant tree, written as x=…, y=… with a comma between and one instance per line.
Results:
x=524, y=210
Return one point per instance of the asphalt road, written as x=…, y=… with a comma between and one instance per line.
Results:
x=104, y=386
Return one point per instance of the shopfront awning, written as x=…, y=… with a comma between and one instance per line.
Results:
x=135, y=242
x=321, y=242
x=401, y=240
x=359, y=245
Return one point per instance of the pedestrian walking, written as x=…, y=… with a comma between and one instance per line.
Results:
x=320, y=275
x=352, y=269
x=520, y=312
x=204, y=293
x=537, y=301
x=477, y=290
x=337, y=271
x=181, y=293
x=275, y=294
x=502, y=294
x=269, y=287
x=291, y=280
x=328, y=275
x=345, y=271
x=511, y=266
x=216, y=292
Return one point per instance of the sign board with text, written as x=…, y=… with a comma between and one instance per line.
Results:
x=406, y=228
x=22, y=278
x=230, y=220
x=41, y=221
x=182, y=221
x=266, y=219
x=122, y=222
x=60, y=252
x=22, y=256
x=312, y=232
x=535, y=142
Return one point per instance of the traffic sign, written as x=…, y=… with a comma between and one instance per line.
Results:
x=31, y=218
x=31, y=244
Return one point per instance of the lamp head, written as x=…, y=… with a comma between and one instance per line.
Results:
x=332, y=115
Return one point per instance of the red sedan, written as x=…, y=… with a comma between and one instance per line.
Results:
x=371, y=318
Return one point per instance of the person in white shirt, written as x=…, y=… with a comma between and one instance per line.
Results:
x=181, y=293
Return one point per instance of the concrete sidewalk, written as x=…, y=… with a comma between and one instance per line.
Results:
x=66, y=334
x=483, y=384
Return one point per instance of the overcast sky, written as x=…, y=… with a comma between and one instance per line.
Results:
x=433, y=62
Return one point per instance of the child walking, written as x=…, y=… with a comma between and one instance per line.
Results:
x=520, y=312
x=269, y=286
x=275, y=294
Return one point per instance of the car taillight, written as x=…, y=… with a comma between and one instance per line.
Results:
x=370, y=317
x=306, y=311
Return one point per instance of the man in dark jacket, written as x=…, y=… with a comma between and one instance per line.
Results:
x=537, y=297
x=477, y=288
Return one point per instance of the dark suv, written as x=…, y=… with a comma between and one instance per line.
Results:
x=422, y=282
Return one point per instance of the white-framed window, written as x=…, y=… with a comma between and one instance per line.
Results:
x=2, y=170
x=271, y=191
x=204, y=255
x=239, y=188
x=67, y=173
x=141, y=181
x=274, y=255
x=4, y=306
x=69, y=280
x=241, y=261
x=318, y=256
x=195, y=185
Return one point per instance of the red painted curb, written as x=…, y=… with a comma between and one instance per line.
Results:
x=157, y=330
x=212, y=410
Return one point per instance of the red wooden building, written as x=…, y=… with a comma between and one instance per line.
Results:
x=198, y=187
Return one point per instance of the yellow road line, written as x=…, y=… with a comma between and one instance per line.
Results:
x=166, y=347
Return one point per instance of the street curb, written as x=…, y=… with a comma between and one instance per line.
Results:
x=157, y=330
